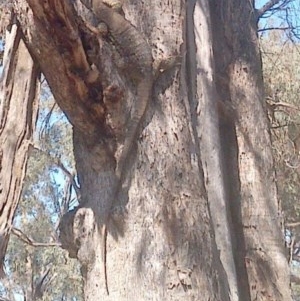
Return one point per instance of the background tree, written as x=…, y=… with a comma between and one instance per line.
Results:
x=43, y=270
x=281, y=72
x=218, y=102
x=18, y=90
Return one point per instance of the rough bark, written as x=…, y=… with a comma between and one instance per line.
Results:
x=18, y=113
x=199, y=149
x=208, y=113
x=259, y=253
x=169, y=243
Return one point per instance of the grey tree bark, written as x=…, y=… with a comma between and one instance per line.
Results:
x=252, y=197
x=197, y=216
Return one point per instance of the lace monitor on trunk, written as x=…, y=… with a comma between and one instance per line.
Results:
x=135, y=49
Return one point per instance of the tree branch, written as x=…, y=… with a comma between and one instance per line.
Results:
x=275, y=28
x=295, y=278
x=59, y=164
x=42, y=283
x=275, y=104
x=266, y=7
x=269, y=7
x=68, y=174
x=295, y=224
x=22, y=236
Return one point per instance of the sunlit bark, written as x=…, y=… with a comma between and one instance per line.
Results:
x=197, y=217
x=18, y=113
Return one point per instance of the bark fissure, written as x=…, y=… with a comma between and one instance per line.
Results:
x=190, y=75
x=253, y=208
x=19, y=89
x=171, y=226
x=223, y=58
x=56, y=34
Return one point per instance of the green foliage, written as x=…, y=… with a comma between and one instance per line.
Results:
x=47, y=194
x=281, y=66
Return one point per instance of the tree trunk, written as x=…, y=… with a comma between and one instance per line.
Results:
x=18, y=114
x=256, y=214
x=180, y=226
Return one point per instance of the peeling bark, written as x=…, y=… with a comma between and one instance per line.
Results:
x=207, y=117
x=95, y=154
x=258, y=237
x=191, y=169
x=18, y=114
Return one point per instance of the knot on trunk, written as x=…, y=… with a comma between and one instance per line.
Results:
x=77, y=234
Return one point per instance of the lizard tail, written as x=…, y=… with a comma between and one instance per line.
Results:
x=144, y=90
x=104, y=239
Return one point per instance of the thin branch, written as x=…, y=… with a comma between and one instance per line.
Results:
x=59, y=164
x=46, y=121
x=288, y=164
x=67, y=197
x=282, y=104
x=291, y=250
x=22, y=236
x=274, y=127
x=295, y=224
x=296, y=258
x=295, y=278
x=266, y=7
x=275, y=28
x=42, y=283
x=68, y=174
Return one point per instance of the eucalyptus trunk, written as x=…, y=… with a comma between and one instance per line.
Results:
x=197, y=215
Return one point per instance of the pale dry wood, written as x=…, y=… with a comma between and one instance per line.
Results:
x=166, y=248
x=22, y=236
x=209, y=101
x=256, y=208
x=18, y=113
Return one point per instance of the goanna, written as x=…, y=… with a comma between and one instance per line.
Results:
x=137, y=52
